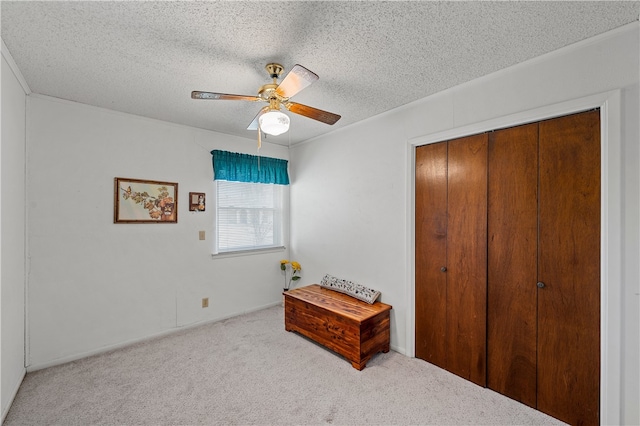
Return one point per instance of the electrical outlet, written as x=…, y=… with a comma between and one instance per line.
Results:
x=205, y=302
x=201, y=235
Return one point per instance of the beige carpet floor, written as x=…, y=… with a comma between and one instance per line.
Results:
x=249, y=370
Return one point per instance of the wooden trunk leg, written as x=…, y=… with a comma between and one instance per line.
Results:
x=358, y=366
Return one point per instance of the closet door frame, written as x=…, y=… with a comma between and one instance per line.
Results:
x=610, y=228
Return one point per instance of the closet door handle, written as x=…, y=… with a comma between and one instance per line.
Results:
x=443, y=269
x=540, y=284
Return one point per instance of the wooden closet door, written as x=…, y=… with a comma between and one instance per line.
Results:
x=512, y=262
x=431, y=252
x=451, y=255
x=569, y=267
x=467, y=258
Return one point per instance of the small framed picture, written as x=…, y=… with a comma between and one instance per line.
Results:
x=197, y=201
x=145, y=201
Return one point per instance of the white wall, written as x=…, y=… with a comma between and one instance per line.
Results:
x=351, y=197
x=12, y=251
x=94, y=284
x=347, y=212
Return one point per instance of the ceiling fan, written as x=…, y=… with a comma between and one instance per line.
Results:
x=270, y=119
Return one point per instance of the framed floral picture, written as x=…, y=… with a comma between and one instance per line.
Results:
x=145, y=201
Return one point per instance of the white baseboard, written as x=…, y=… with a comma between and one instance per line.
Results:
x=5, y=410
x=398, y=349
x=75, y=357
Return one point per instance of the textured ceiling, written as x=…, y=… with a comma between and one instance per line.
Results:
x=145, y=58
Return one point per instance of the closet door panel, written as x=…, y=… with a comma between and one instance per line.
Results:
x=431, y=252
x=569, y=266
x=467, y=258
x=512, y=262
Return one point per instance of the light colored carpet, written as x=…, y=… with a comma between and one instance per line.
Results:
x=249, y=370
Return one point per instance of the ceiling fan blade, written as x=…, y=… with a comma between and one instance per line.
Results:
x=254, y=123
x=297, y=79
x=223, y=96
x=315, y=113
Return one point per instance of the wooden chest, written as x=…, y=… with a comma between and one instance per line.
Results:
x=346, y=325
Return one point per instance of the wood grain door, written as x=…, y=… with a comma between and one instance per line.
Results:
x=569, y=268
x=544, y=266
x=467, y=258
x=451, y=250
x=514, y=217
x=431, y=253
x=512, y=262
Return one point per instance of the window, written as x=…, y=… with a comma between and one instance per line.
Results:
x=249, y=215
x=251, y=193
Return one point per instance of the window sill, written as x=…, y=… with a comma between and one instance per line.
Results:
x=246, y=252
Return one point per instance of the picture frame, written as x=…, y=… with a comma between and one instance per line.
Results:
x=145, y=201
x=197, y=201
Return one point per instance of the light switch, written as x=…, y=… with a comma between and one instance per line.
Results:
x=201, y=235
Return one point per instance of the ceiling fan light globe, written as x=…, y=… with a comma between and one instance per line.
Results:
x=274, y=123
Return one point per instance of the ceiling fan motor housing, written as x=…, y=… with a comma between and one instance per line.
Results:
x=268, y=91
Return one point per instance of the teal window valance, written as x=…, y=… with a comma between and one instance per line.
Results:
x=236, y=167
